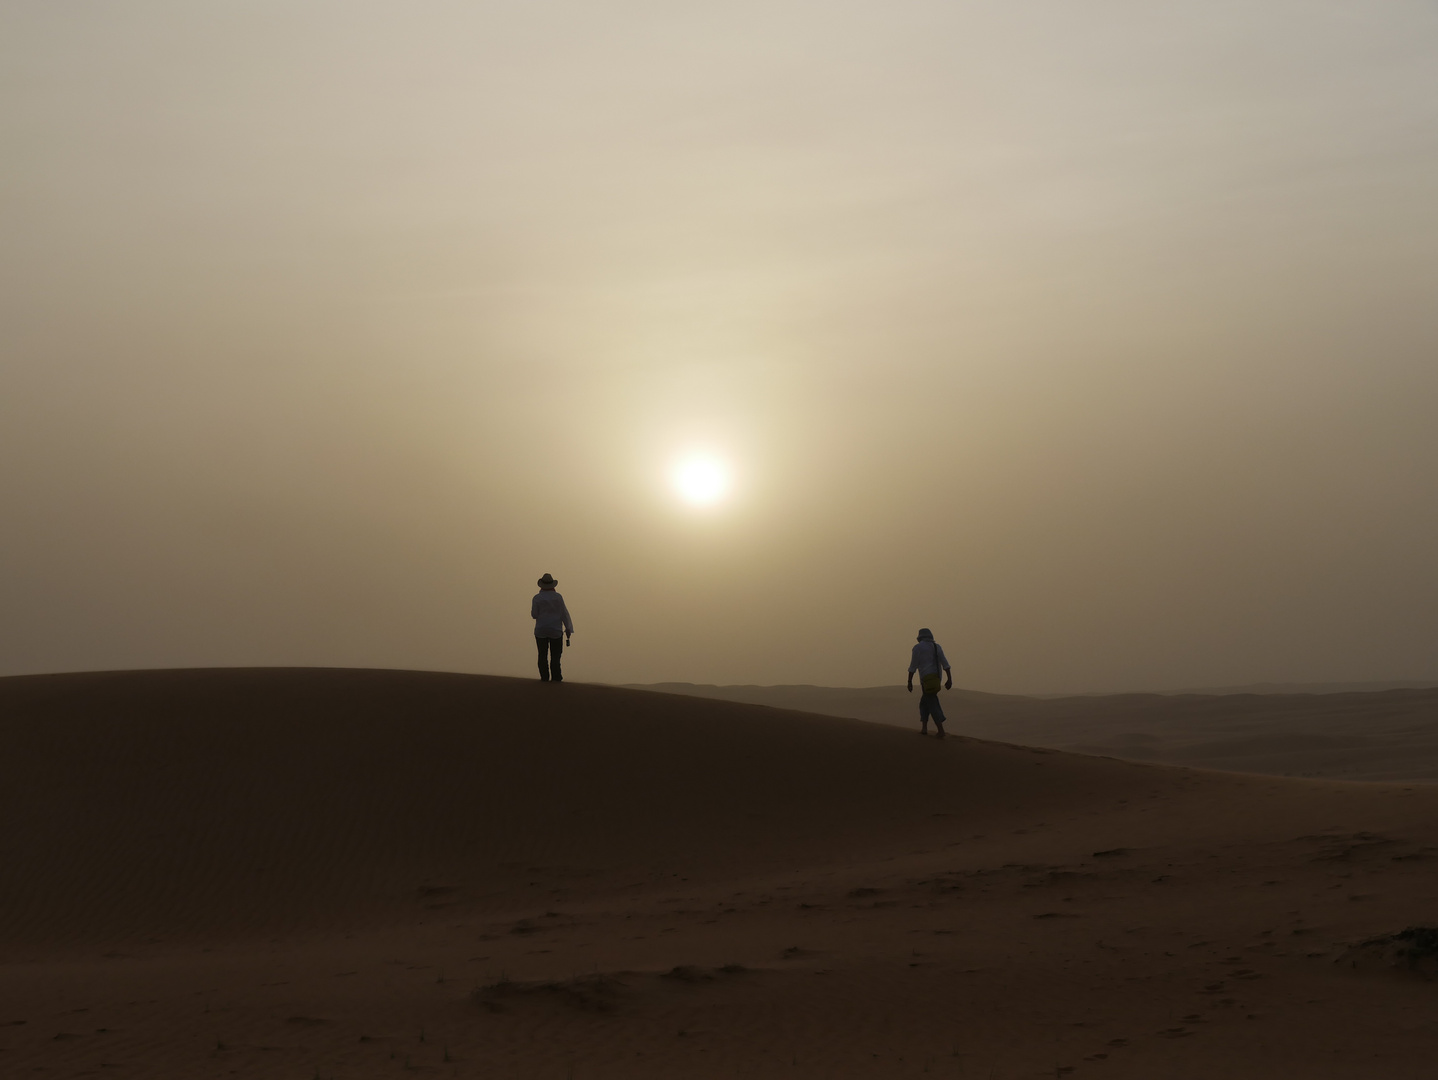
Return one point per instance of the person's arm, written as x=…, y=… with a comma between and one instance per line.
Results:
x=913, y=667
x=944, y=663
x=568, y=622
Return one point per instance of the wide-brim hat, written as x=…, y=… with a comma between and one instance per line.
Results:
x=547, y=581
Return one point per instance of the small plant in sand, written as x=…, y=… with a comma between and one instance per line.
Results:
x=1414, y=949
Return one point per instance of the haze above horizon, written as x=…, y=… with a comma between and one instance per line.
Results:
x=1100, y=338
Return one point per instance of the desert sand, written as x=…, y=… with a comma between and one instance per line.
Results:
x=301, y=873
x=1389, y=734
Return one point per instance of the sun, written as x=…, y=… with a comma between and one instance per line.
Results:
x=700, y=480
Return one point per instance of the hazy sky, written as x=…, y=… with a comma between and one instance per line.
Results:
x=1100, y=337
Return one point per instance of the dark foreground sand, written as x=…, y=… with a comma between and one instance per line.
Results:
x=383, y=874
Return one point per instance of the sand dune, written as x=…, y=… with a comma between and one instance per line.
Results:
x=1373, y=735
x=293, y=873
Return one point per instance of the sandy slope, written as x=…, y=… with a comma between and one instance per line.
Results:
x=1373, y=735
x=358, y=874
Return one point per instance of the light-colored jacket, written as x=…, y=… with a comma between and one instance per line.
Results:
x=551, y=617
x=928, y=657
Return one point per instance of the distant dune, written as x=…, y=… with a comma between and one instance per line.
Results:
x=1373, y=735
x=352, y=874
x=1367, y=687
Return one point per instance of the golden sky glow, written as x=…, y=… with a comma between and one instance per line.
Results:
x=1099, y=337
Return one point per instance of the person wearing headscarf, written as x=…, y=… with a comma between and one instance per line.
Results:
x=929, y=661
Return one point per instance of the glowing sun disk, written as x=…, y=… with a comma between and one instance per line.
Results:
x=701, y=480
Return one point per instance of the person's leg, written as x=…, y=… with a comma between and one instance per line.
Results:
x=543, y=645
x=556, y=646
x=925, y=701
x=937, y=712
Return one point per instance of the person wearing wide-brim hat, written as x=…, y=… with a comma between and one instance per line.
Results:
x=551, y=618
x=929, y=661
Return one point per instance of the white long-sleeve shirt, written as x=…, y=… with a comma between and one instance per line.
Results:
x=927, y=658
x=551, y=617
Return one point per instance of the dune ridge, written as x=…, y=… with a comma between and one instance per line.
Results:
x=299, y=872
x=272, y=794
x=1387, y=734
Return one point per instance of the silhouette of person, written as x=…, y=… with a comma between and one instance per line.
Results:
x=550, y=618
x=929, y=661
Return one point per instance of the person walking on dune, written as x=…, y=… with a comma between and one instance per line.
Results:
x=929, y=661
x=551, y=618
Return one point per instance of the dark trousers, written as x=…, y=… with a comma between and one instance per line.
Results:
x=929, y=706
x=549, y=647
